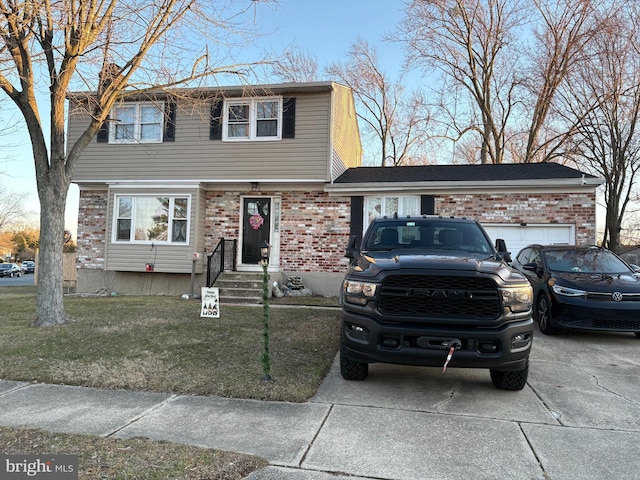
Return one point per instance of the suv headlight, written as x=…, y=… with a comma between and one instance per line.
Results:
x=359, y=292
x=518, y=298
x=568, y=292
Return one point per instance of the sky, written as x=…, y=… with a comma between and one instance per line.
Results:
x=323, y=29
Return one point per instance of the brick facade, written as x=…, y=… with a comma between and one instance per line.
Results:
x=314, y=232
x=92, y=228
x=314, y=228
x=222, y=217
x=515, y=208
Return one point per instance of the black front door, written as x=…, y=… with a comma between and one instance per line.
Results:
x=256, y=214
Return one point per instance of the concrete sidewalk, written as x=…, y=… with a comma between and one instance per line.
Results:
x=578, y=418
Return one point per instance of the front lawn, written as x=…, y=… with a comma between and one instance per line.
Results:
x=161, y=344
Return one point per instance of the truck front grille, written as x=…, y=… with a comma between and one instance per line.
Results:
x=439, y=296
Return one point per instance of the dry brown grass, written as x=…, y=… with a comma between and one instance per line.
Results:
x=138, y=458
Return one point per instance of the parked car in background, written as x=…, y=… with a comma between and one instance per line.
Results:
x=581, y=287
x=29, y=266
x=5, y=270
x=10, y=270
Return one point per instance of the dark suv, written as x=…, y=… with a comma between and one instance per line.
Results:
x=433, y=291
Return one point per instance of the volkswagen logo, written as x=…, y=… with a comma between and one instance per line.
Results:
x=616, y=296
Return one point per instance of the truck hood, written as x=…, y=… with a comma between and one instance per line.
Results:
x=371, y=264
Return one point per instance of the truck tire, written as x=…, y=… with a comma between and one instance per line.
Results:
x=351, y=370
x=510, y=380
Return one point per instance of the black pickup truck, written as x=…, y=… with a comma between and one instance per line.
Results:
x=434, y=291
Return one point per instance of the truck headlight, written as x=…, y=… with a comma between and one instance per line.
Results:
x=359, y=292
x=518, y=298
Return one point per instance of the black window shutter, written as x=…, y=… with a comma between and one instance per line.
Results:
x=103, y=134
x=215, y=123
x=427, y=205
x=289, y=118
x=169, y=122
x=357, y=212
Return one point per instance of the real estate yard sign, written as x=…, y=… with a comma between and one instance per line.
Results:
x=210, y=302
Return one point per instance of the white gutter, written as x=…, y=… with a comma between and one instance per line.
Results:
x=496, y=186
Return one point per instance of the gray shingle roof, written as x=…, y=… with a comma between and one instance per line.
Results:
x=453, y=173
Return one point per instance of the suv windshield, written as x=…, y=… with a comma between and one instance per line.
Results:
x=593, y=260
x=427, y=234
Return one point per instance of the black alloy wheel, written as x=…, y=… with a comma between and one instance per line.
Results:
x=543, y=314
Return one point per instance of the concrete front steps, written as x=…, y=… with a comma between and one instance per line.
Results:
x=240, y=287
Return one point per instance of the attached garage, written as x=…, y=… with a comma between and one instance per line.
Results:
x=544, y=203
x=519, y=236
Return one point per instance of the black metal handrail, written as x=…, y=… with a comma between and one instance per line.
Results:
x=222, y=258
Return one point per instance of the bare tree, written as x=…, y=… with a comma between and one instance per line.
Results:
x=105, y=46
x=472, y=44
x=498, y=65
x=394, y=118
x=11, y=207
x=565, y=30
x=603, y=101
x=296, y=66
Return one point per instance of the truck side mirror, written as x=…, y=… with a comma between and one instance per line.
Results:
x=501, y=247
x=352, y=247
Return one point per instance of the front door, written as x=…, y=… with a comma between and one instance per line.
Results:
x=256, y=213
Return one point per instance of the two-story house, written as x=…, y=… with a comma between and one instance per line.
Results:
x=187, y=172
x=171, y=174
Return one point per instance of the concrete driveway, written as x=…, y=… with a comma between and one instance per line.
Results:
x=578, y=418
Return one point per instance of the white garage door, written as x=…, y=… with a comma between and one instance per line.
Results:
x=517, y=237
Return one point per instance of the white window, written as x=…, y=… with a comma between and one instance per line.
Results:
x=137, y=123
x=252, y=119
x=146, y=219
x=379, y=206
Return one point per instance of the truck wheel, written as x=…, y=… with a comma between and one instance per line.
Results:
x=510, y=380
x=351, y=370
x=543, y=315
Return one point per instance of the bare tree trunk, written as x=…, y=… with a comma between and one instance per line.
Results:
x=53, y=186
x=50, y=306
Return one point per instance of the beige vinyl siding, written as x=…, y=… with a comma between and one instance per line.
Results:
x=167, y=258
x=192, y=156
x=345, y=136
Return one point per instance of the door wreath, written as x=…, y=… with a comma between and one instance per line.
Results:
x=256, y=221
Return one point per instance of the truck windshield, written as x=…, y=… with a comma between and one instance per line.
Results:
x=426, y=234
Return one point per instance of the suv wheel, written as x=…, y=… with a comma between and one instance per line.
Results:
x=351, y=370
x=510, y=380
x=543, y=315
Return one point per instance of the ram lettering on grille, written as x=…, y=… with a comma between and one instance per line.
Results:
x=437, y=296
